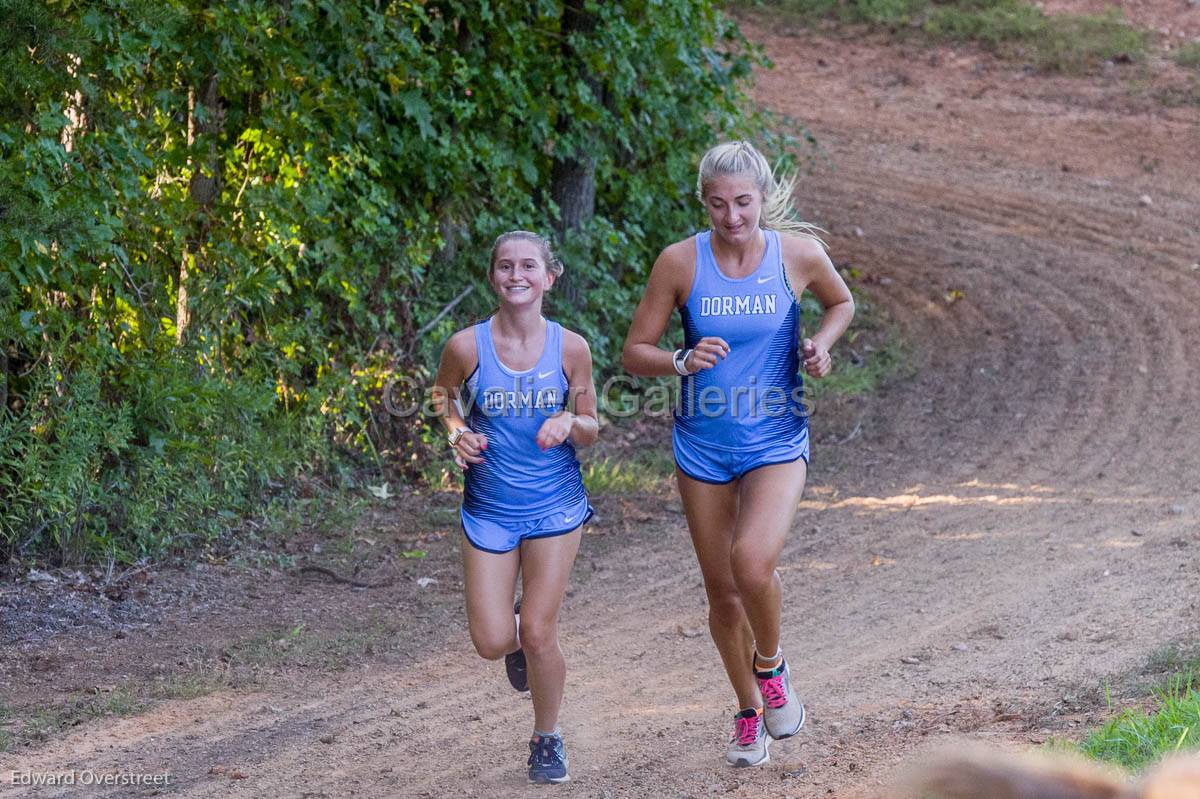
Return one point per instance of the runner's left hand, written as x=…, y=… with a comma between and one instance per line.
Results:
x=555, y=430
x=816, y=359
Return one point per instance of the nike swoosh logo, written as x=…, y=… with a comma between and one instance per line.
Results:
x=765, y=279
x=568, y=519
x=544, y=375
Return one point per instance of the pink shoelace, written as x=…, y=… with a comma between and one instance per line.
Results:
x=745, y=730
x=772, y=692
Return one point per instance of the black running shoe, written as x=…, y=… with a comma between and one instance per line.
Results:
x=514, y=662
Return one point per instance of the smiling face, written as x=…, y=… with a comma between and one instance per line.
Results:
x=734, y=205
x=519, y=273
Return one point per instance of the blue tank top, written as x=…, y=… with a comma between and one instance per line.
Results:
x=518, y=481
x=753, y=397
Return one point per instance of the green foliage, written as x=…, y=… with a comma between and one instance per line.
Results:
x=1187, y=55
x=644, y=474
x=228, y=228
x=165, y=462
x=889, y=13
x=992, y=23
x=6, y=735
x=1077, y=44
x=33, y=725
x=1013, y=28
x=1135, y=739
x=1059, y=43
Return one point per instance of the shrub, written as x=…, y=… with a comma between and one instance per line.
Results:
x=226, y=227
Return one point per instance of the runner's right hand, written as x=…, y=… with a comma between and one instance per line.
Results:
x=706, y=354
x=469, y=449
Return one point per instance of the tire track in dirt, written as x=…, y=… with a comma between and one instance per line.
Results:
x=958, y=569
x=1094, y=298
x=1115, y=381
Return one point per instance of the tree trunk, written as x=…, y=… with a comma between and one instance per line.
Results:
x=573, y=176
x=573, y=188
x=203, y=191
x=181, y=295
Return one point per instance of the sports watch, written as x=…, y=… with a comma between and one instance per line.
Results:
x=679, y=359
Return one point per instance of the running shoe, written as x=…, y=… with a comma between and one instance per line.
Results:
x=514, y=662
x=783, y=713
x=547, y=760
x=748, y=746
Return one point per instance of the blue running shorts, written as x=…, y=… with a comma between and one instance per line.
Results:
x=718, y=465
x=499, y=535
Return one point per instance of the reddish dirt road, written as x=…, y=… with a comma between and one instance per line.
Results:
x=999, y=534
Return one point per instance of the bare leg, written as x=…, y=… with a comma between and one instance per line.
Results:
x=712, y=513
x=491, y=583
x=545, y=568
x=768, y=497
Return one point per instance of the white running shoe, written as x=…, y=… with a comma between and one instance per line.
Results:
x=748, y=747
x=783, y=712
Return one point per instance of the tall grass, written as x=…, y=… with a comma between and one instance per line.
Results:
x=643, y=474
x=1136, y=739
x=1060, y=43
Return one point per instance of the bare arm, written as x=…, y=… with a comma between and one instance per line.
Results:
x=809, y=267
x=668, y=286
x=578, y=420
x=459, y=359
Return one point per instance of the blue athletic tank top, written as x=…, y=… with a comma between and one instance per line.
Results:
x=753, y=397
x=518, y=481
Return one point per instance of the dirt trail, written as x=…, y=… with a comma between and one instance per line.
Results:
x=1014, y=524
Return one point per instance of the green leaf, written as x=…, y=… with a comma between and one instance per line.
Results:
x=416, y=107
